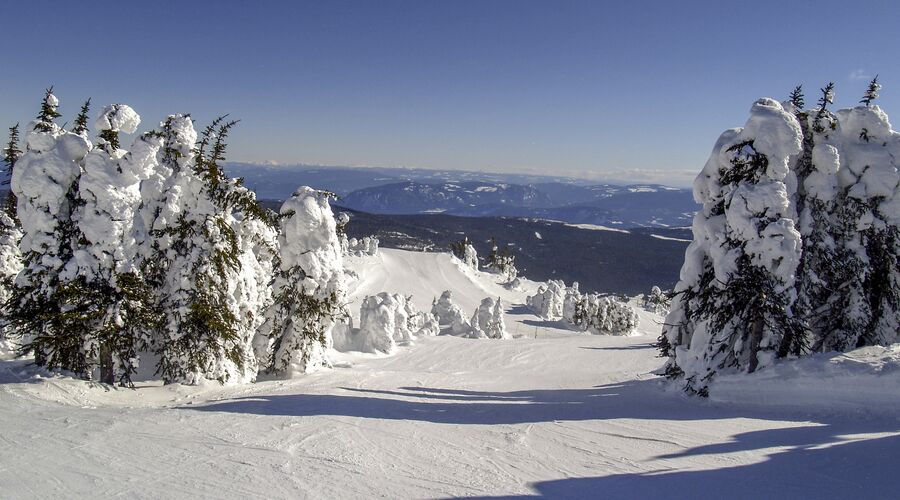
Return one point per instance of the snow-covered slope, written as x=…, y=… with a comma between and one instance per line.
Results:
x=562, y=415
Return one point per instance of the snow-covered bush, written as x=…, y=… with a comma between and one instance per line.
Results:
x=449, y=315
x=488, y=319
x=547, y=303
x=309, y=287
x=796, y=247
x=386, y=320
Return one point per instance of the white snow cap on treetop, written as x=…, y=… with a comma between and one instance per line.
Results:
x=775, y=133
x=118, y=118
x=52, y=100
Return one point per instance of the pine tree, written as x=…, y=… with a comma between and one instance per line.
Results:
x=308, y=287
x=48, y=309
x=208, y=334
x=821, y=111
x=796, y=97
x=733, y=309
x=11, y=155
x=48, y=112
x=81, y=121
x=871, y=92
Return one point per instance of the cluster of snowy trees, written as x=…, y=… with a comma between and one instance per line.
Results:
x=657, y=301
x=108, y=255
x=386, y=321
x=795, y=250
x=464, y=251
x=487, y=321
x=502, y=262
x=590, y=312
x=357, y=247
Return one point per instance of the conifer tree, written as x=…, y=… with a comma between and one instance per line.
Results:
x=80, y=126
x=48, y=308
x=733, y=309
x=207, y=334
x=11, y=155
x=822, y=111
x=871, y=92
x=796, y=97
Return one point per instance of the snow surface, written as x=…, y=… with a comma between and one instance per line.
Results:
x=547, y=414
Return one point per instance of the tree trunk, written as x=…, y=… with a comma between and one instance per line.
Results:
x=756, y=335
x=107, y=375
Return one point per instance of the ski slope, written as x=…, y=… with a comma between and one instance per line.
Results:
x=550, y=414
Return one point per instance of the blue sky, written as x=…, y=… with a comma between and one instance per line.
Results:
x=566, y=87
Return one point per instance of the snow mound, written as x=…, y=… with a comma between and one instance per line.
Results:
x=851, y=381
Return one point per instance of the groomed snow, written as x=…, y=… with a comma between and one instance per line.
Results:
x=550, y=414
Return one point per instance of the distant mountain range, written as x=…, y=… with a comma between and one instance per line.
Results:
x=475, y=194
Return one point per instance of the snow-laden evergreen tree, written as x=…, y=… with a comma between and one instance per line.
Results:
x=207, y=333
x=10, y=235
x=80, y=125
x=308, y=289
x=733, y=308
x=465, y=252
x=657, y=301
x=488, y=318
x=449, y=315
x=868, y=179
x=49, y=313
x=548, y=301
x=103, y=266
x=502, y=262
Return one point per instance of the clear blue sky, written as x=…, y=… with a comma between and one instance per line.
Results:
x=555, y=86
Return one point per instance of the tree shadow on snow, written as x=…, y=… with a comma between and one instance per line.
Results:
x=819, y=462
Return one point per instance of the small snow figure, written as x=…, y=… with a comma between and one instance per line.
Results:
x=449, y=315
x=488, y=318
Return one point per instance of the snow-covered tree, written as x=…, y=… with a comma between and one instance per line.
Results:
x=734, y=303
x=449, y=315
x=548, y=301
x=488, y=318
x=502, y=262
x=206, y=334
x=80, y=125
x=657, y=301
x=10, y=235
x=48, y=312
x=464, y=251
x=308, y=289
x=102, y=266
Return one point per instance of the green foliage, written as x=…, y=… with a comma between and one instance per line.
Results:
x=298, y=320
x=81, y=120
x=747, y=165
x=11, y=154
x=796, y=97
x=821, y=112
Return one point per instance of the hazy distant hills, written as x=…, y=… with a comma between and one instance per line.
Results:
x=475, y=194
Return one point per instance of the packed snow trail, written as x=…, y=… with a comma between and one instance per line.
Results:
x=563, y=415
